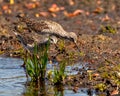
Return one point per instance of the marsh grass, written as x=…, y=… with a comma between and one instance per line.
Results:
x=110, y=73
x=108, y=29
x=59, y=73
x=61, y=45
x=36, y=62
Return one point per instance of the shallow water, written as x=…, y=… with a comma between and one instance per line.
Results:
x=12, y=77
x=13, y=81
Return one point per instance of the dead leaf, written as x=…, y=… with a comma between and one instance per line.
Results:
x=98, y=10
x=115, y=92
x=78, y=11
x=106, y=18
x=5, y=7
x=30, y=5
x=54, y=8
x=8, y=11
x=71, y=2
x=75, y=13
x=99, y=2
x=65, y=13
x=37, y=15
x=96, y=74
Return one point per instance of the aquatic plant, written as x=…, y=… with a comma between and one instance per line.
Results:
x=89, y=74
x=36, y=62
x=59, y=73
x=1, y=52
x=101, y=86
x=110, y=74
x=108, y=29
x=61, y=45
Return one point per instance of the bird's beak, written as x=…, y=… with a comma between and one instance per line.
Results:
x=77, y=46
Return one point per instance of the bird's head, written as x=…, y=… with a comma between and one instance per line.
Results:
x=73, y=37
x=53, y=39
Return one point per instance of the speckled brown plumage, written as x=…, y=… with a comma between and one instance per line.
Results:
x=47, y=27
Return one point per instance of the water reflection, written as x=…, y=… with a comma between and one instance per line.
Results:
x=59, y=90
x=43, y=89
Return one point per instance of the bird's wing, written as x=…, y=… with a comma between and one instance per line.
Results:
x=39, y=26
x=47, y=27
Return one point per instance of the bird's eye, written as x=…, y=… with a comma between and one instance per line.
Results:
x=71, y=39
x=51, y=40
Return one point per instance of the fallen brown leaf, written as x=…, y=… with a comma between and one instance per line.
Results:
x=96, y=74
x=66, y=13
x=78, y=11
x=71, y=2
x=30, y=5
x=75, y=13
x=99, y=2
x=37, y=15
x=98, y=10
x=5, y=7
x=115, y=92
x=106, y=18
x=8, y=11
x=54, y=8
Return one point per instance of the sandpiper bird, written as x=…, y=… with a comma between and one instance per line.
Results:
x=48, y=28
